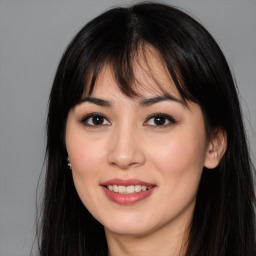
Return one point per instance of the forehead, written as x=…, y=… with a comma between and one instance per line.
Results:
x=151, y=77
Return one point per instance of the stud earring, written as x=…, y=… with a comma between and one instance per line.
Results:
x=69, y=164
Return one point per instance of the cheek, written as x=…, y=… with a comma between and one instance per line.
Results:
x=86, y=168
x=179, y=156
x=179, y=165
x=86, y=156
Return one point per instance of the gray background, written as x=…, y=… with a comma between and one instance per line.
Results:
x=33, y=35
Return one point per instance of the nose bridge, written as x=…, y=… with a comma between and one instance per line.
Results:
x=125, y=147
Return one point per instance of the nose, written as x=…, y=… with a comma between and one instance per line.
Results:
x=126, y=149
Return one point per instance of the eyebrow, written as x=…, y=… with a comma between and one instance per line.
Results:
x=97, y=101
x=143, y=103
x=150, y=101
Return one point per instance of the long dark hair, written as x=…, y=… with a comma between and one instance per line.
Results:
x=223, y=223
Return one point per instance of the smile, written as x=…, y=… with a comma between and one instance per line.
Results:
x=127, y=192
x=127, y=189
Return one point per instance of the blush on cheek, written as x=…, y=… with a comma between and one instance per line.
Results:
x=178, y=158
x=86, y=163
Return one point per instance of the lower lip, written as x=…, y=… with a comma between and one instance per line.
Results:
x=127, y=199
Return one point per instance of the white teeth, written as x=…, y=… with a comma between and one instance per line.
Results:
x=115, y=188
x=130, y=189
x=137, y=188
x=121, y=189
x=144, y=188
x=127, y=189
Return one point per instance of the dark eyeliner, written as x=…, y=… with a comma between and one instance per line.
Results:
x=86, y=117
x=168, y=117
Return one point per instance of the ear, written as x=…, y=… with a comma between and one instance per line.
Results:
x=216, y=148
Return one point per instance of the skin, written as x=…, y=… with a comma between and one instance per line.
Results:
x=129, y=145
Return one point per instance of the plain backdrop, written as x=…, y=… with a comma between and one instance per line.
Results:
x=33, y=36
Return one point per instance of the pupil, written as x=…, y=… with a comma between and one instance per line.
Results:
x=159, y=120
x=97, y=120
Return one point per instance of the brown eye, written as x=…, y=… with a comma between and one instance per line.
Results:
x=160, y=120
x=95, y=120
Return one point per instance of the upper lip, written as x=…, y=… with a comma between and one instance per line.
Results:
x=128, y=182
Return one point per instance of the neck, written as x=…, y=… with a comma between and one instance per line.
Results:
x=162, y=242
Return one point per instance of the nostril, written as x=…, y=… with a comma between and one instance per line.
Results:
x=126, y=162
x=124, y=150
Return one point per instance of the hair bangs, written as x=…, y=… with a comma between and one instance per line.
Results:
x=124, y=64
x=120, y=47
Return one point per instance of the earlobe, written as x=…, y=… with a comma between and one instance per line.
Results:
x=216, y=148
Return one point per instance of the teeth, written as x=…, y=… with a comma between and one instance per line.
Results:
x=130, y=189
x=137, y=188
x=127, y=189
x=121, y=189
x=143, y=188
x=115, y=188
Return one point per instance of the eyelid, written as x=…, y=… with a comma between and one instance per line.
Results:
x=168, y=117
x=86, y=117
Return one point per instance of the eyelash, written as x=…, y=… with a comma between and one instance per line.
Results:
x=166, y=118
x=94, y=115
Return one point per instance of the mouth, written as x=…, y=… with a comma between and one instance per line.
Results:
x=127, y=192
x=128, y=189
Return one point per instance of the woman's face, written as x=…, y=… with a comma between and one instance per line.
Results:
x=137, y=162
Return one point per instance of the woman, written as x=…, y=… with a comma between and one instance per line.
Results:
x=146, y=150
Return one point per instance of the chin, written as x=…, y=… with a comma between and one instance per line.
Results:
x=130, y=227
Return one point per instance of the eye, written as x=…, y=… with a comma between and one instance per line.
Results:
x=160, y=119
x=95, y=119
